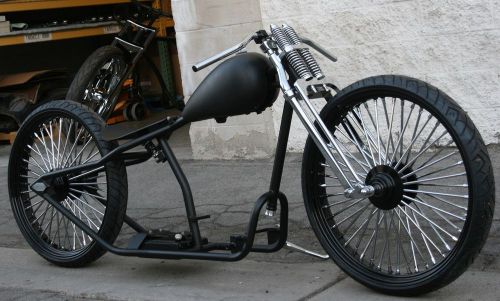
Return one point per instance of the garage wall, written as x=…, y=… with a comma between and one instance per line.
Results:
x=453, y=44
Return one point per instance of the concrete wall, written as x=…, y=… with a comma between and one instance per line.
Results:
x=204, y=28
x=454, y=45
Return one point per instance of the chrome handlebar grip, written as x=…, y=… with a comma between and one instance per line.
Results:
x=306, y=54
x=222, y=55
x=294, y=58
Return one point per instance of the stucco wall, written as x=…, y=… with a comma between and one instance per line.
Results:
x=454, y=45
x=204, y=28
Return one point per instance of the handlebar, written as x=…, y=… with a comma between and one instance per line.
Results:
x=258, y=36
x=151, y=9
x=230, y=51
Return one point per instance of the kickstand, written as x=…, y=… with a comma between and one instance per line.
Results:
x=305, y=251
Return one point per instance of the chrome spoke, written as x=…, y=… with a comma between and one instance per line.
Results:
x=413, y=244
x=74, y=201
x=389, y=127
x=422, y=151
x=401, y=134
x=446, y=245
x=361, y=226
x=358, y=212
x=436, y=178
x=463, y=196
x=406, y=153
x=434, y=207
x=63, y=153
x=440, y=215
x=404, y=176
x=345, y=208
x=86, y=204
x=377, y=222
x=95, y=170
x=365, y=131
x=357, y=145
x=453, y=237
x=415, y=223
x=431, y=255
x=98, y=197
x=378, y=134
x=37, y=151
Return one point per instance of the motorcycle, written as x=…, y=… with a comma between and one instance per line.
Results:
x=397, y=181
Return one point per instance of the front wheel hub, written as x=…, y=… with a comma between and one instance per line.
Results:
x=388, y=187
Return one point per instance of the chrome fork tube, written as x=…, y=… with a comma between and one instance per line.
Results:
x=327, y=133
x=353, y=188
x=310, y=127
x=319, y=141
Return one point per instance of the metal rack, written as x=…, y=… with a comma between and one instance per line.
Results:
x=70, y=31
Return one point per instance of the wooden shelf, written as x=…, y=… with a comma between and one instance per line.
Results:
x=61, y=33
x=71, y=31
x=26, y=5
x=68, y=32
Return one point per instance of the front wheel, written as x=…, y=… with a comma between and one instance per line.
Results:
x=433, y=208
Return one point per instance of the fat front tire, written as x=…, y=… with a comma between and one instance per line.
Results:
x=97, y=197
x=433, y=205
x=97, y=78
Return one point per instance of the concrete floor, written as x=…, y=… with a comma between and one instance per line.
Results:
x=226, y=190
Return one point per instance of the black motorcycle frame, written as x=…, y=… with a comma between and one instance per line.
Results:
x=239, y=248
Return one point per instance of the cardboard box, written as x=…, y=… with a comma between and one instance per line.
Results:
x=4, y=27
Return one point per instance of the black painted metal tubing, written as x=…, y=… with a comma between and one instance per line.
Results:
x=247, y=247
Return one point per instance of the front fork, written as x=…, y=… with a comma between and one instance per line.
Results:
x=297, y=96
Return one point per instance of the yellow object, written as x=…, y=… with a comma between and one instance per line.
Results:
x=25, y=5
x=69, y=33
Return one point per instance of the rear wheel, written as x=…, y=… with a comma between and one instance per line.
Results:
x=433, y=205
x=97, y=197
x=98, y=78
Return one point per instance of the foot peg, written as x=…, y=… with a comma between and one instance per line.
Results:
x=305, y=251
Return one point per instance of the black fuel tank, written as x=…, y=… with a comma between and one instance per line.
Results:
x=243, y=84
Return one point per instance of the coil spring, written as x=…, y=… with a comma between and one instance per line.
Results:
x=294, y=58
x=311, y=62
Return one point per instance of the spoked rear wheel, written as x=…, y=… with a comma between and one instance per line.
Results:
x=434, y=198
x=97, y=197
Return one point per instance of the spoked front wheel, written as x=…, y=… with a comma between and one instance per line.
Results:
x=44, y=143
x=434, y=199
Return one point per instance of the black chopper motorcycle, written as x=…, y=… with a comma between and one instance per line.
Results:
x=397, y=181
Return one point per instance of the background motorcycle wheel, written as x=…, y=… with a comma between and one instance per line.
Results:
x=432, y=215
x=98, y=198
x=97, y=78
